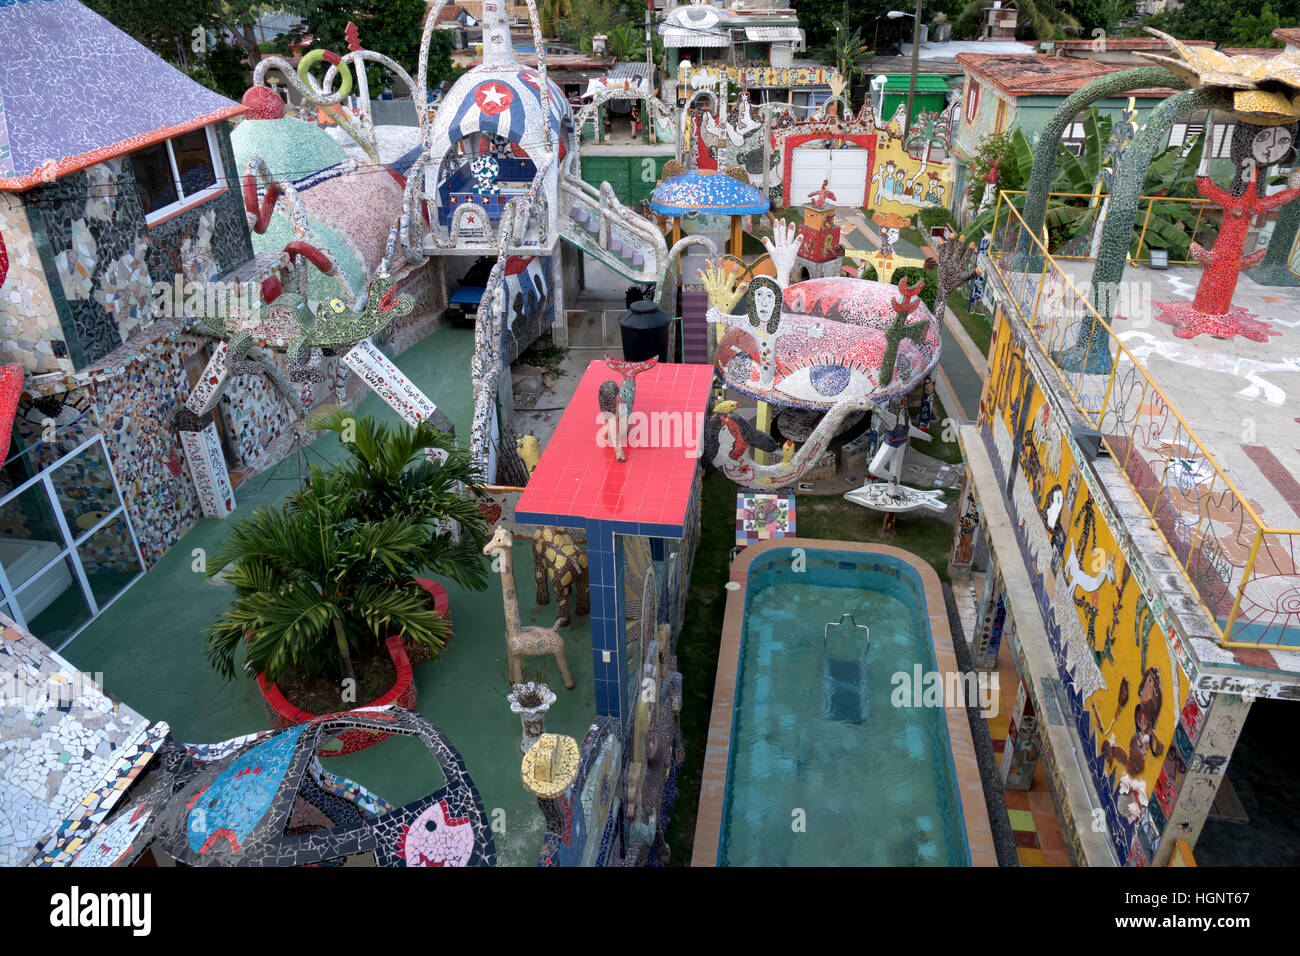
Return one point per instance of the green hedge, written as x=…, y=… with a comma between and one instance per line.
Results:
x=928, y=291
x=869, y=272
x=932, y=216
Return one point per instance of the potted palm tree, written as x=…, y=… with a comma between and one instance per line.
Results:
x=326, y=598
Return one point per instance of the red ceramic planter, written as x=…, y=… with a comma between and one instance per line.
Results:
x=442, y=605
x=284, y=713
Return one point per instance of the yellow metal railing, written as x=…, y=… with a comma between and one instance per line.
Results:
x=1246, y=574
x=1142, y=225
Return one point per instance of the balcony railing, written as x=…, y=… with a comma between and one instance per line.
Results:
x=1170, y=223
x=1246, y=574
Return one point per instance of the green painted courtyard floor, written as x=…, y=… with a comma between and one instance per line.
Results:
x=149, y=646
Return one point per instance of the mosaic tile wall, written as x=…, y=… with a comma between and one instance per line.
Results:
x=106, y=259
x=60, y=737
x=30, y=333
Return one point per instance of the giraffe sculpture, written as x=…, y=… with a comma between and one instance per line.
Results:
x=533, y=641
x=555, y=554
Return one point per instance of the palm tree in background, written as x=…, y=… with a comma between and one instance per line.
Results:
x=845, y=48
x=1035, y=19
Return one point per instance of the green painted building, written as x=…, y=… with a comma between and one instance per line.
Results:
x=631, y=174
x=931, y=94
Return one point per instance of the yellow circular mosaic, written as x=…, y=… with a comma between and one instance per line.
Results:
x=550, y=766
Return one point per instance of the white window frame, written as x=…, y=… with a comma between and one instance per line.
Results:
x=185, y=202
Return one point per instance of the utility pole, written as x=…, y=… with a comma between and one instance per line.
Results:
x=911, y=80
x=646, y=118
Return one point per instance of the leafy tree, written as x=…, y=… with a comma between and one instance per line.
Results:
x=1172, y=173
x=586, y=18
x=391, y=27
x=845, y=47
x=1035, y=19
x=1226, y=22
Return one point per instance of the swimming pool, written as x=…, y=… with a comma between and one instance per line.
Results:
x=808, y=762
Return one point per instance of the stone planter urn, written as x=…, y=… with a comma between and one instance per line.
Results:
x=531, y=700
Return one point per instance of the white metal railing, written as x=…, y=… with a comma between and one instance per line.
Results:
x=12, y=597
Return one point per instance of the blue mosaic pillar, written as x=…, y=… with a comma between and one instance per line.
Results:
x=605, y=570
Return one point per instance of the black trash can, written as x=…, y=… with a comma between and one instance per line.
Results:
x=644, y=330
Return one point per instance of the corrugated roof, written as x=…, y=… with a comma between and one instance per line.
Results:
x=925, y=83
x=773, y=34
x=678, y=37
x=626, y=69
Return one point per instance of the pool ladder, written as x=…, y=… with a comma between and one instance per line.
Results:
x=840, y=623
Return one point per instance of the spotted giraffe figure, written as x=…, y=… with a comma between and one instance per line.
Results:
x=533, y=641
x=555, y=555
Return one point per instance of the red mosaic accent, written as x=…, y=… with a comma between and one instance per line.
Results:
x=1189, y=322
x=263, y=103
x=1277, y=474
x=70, y=164
x=285, y=714
x=11, y=387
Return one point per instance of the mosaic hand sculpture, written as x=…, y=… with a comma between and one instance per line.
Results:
x=616, y=400
x=724, y=288
x=532, y=641
x=721, y=444
x=557, y=559
x=955, y=267
x=783, y=247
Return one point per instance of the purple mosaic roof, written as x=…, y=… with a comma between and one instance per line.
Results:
x=73, y=84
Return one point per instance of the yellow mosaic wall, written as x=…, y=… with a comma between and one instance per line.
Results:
x=1125, y=687
x=902, y=183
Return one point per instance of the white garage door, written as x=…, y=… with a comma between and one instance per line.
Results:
x=846, y=169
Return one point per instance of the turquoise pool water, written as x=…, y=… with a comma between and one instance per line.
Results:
x=822, y=769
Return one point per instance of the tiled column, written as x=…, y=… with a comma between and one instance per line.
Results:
x=208, y=469
x=211, y=384
x=1020, y=753
x=560, y=318
x=967, y=531
x=549, y=769
x=605, y=573
x=990, y=621
x=1195, y=764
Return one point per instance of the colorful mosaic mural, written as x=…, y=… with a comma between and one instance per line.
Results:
x=105, y=259
x=64, y=738
x=1126, y=683
x=912, y=170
